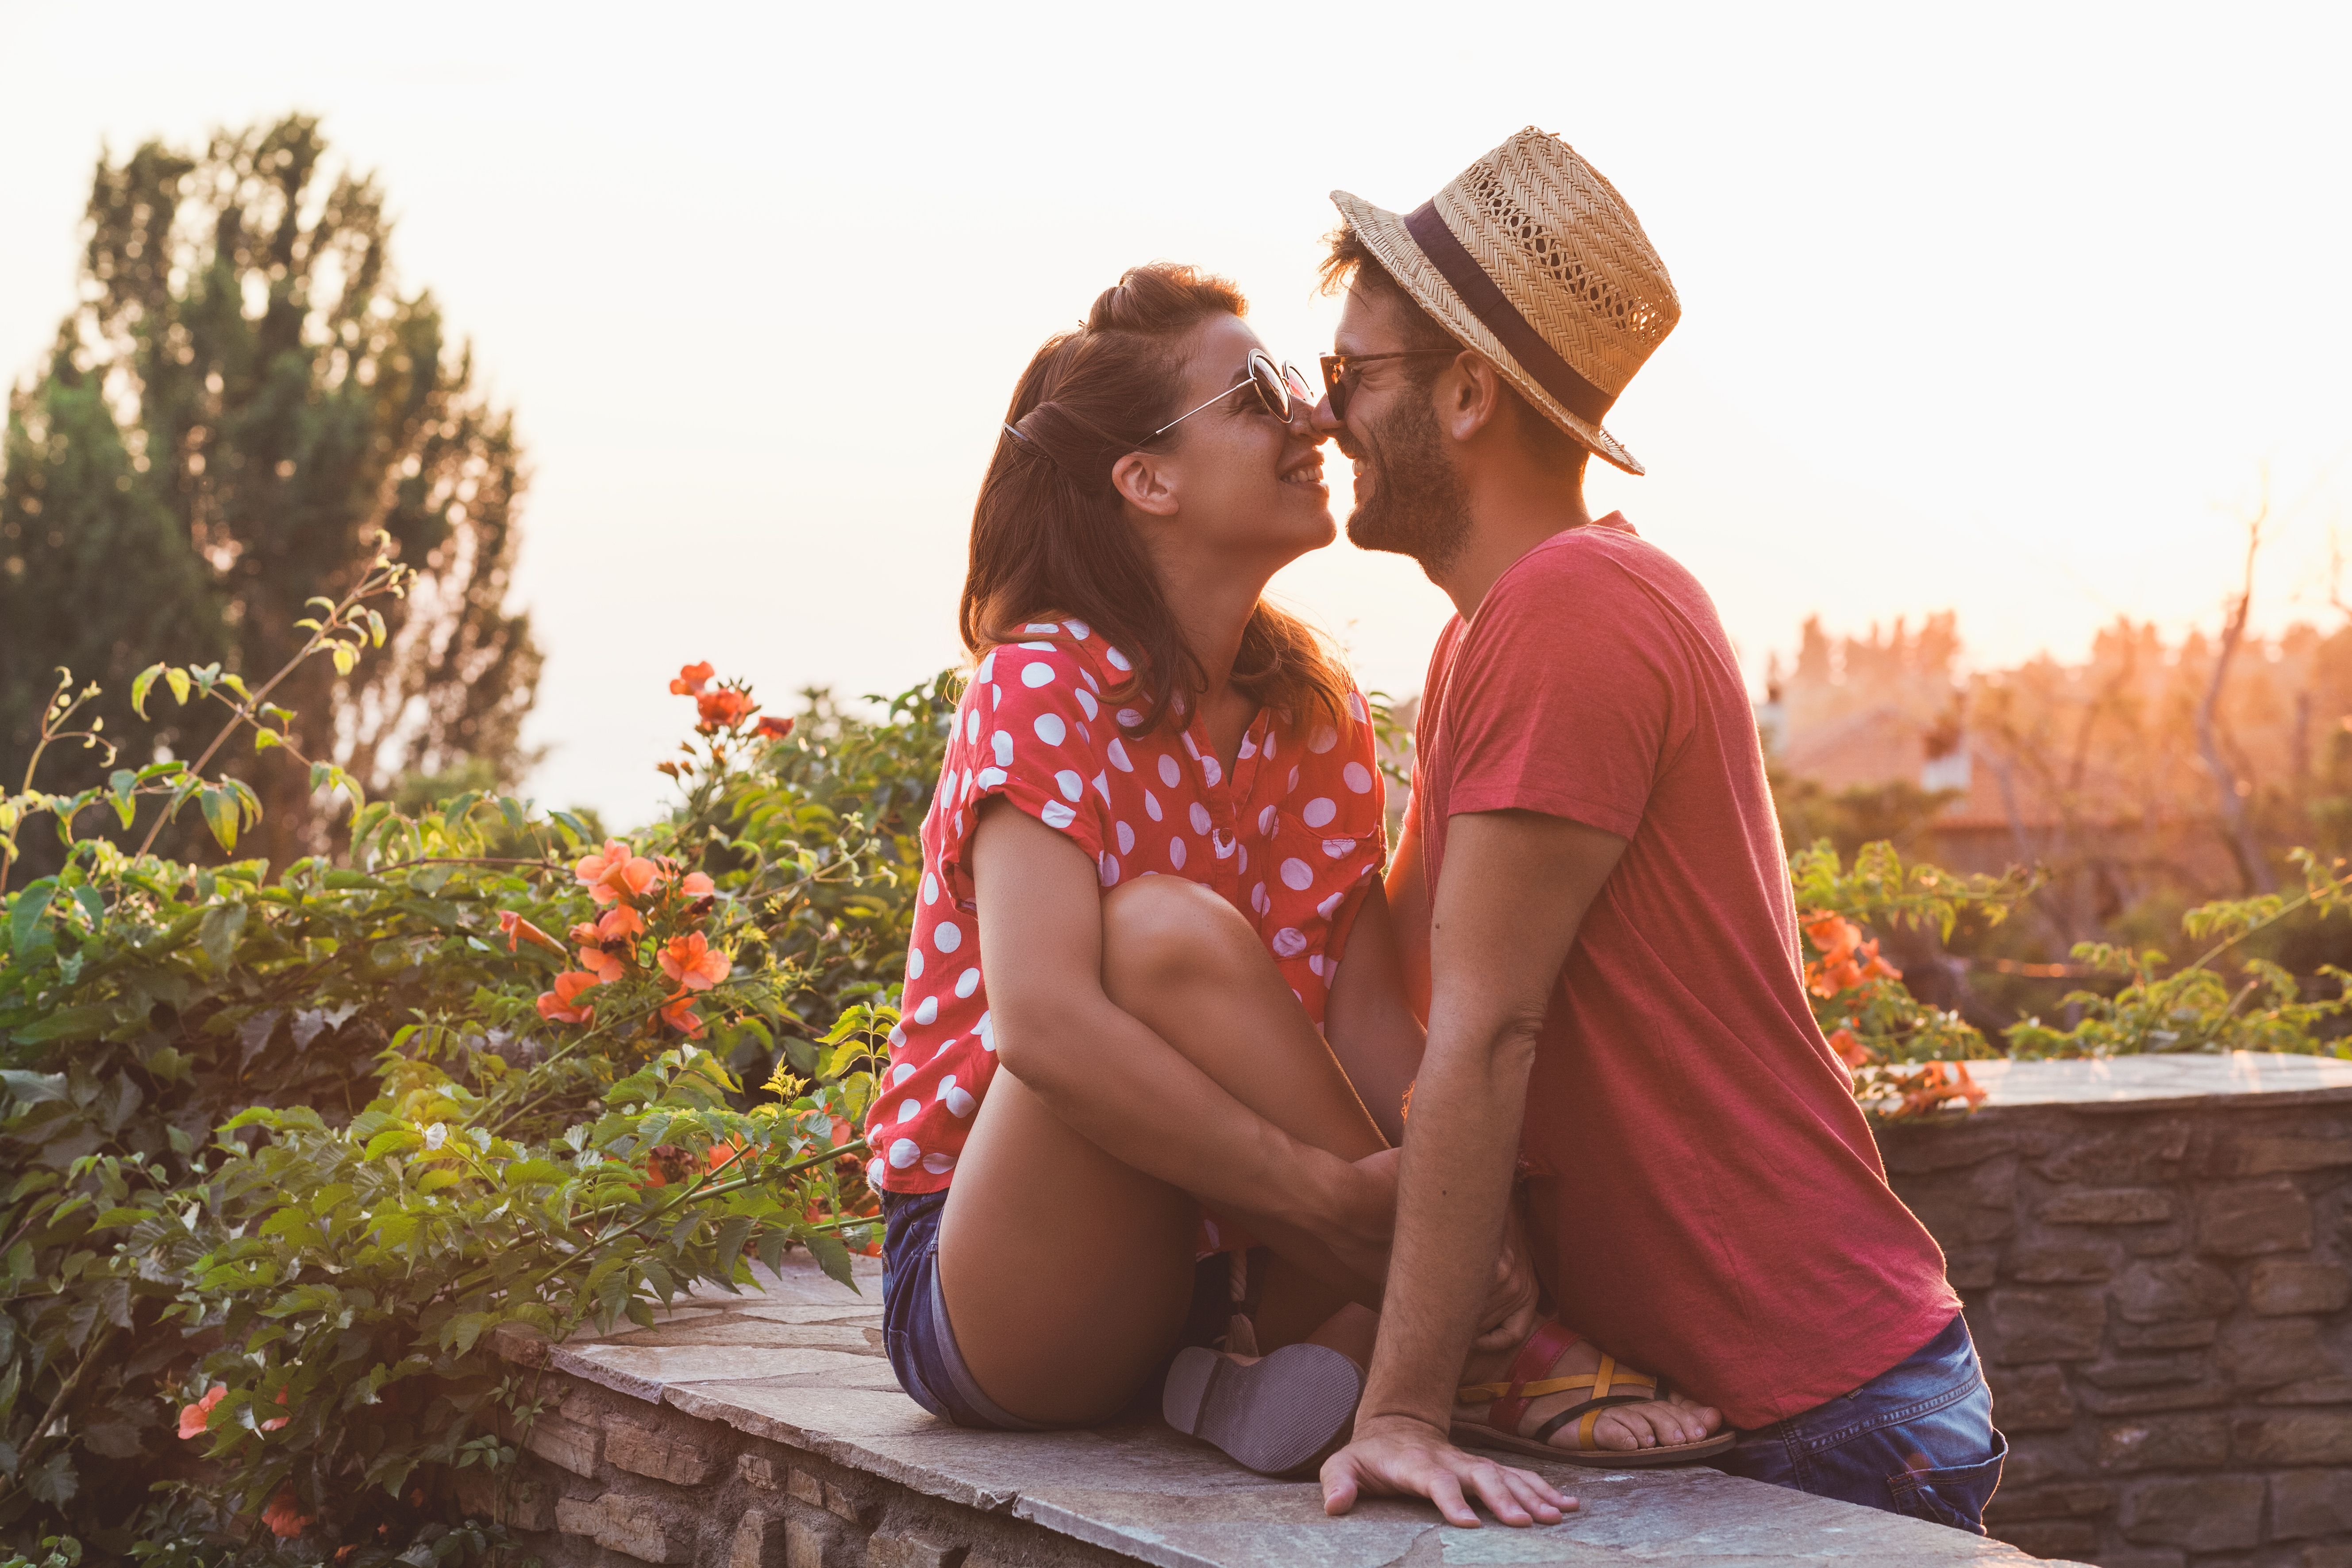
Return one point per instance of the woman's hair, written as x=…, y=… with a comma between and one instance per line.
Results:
x=1049, y=538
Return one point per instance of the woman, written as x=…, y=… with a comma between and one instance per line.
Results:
x=1157, y=837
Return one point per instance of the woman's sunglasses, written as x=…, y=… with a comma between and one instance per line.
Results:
x=1276, y=387
x=1341, y=375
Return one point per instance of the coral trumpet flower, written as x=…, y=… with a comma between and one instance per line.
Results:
x=618, y=923
x=724, y=709
x=680, y=1014
x=695, y=885
x=560, y=1005
x=284, y=1516
x=615, y=872
x=692, y=679
x=693, y=963
x=518, y=929
x=600, y=963
x=194, y=1416
x=773, y=728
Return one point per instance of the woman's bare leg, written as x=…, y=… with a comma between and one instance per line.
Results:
x=1068, y=1274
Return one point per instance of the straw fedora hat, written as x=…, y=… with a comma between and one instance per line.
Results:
x=1534, y=260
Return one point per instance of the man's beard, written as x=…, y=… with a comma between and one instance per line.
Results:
x=1417, y=506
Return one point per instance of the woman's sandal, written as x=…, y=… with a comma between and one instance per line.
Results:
x=1528, y=1381
x=1276, y=1414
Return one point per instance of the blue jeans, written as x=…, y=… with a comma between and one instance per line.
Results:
x=1917, y=1440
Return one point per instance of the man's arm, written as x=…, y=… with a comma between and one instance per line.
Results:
x=1514, y=889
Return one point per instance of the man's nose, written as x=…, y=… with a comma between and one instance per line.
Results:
x=1322, y=421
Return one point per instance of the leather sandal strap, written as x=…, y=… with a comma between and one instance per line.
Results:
x=1540, y=1352
x=1470, y=1392
x=1591, y=1412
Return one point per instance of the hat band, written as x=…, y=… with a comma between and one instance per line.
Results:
x=1500, y=316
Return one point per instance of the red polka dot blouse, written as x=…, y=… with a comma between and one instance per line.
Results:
x=1292, y=841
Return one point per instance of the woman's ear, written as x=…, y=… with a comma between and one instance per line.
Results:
x=1142, y=481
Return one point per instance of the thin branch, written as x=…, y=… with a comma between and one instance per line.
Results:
x=2236, y=827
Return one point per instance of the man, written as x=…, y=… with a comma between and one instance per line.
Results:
x=1593, y=882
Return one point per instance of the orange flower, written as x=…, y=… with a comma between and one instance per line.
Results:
x=693, y=963
x=1877, y=968
x=618, y=923
x=691, y=679
x=276, y=1422
x=600, y=963
x=560, y=1005
x=722, y=1155
x=284, y=1516
x=773, y=728
x=697, y=886
x=724, y=709
x=1836, y=936
x=617, y=872
x=1938, y=1082
x=680, y=1014
x=587, y=932
x=194, y=1416
x=519, y=930
x=1849, y=1047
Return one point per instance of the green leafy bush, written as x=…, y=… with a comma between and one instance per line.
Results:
x=291, y=1151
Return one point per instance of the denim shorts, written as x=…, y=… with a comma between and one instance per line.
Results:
x=915, y=1331
x=921, y=1345
x=1917, y=1440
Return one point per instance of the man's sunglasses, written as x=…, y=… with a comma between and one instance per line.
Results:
x=1341, y=375
x=1276, y=387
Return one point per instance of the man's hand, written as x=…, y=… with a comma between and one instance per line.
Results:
x=1397, y=1458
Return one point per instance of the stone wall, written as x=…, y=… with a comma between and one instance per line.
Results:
x=2158, y=1293
x=612, y=1481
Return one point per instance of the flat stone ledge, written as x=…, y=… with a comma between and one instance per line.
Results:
x=766, y=1431
x=2264, y=1078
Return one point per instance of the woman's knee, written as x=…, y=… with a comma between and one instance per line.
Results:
x=1159, y=931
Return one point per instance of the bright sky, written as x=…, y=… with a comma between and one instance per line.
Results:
x=2004, y=309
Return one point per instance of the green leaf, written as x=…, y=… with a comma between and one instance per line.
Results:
x=31, y=905
x=34, y=1087
x=264, y=739
x=140, y=686
x=831, y=1256
x=217, y=935
x=345, y=658
x=178, y=679
x=574, y=828
x=220, y=815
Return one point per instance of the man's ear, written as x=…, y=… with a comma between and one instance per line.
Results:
x=1142, y=481
x=1469, y=396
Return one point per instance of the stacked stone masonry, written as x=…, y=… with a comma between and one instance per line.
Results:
x=765, y=1431
x=2159, y=1290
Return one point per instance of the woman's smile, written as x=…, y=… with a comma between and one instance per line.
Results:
x=1306, y=471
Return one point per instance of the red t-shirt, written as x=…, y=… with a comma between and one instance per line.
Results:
x=1704, y=1197
x=1292, y=838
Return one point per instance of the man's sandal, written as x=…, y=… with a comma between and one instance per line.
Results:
x=1609, y=1384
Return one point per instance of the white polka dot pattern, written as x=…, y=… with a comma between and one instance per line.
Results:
x=1289, y=844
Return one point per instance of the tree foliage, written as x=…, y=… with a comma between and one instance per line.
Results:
x=241, y=399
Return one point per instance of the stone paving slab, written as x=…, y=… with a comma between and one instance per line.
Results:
x=1138, y=1490
x=2137, y=1080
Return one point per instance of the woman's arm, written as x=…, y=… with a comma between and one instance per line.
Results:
x=1408, y=889
x=1371, y=1022
x=1117, y=1082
